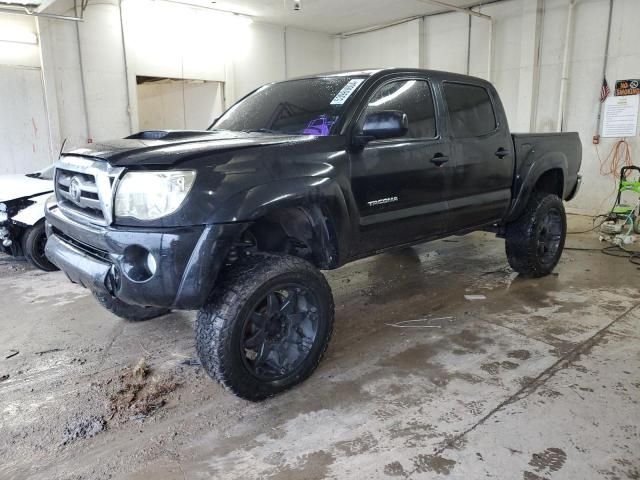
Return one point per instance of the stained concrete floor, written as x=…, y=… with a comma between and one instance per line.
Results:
x=540, y=380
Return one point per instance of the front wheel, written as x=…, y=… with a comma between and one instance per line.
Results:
x=266, y=326
x=534, y=242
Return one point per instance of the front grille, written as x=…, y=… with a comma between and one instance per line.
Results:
x=84, y=189
x=82, y=197
x=84, y=247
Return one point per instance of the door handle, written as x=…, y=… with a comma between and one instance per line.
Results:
x=501, y=153
x=439, y=159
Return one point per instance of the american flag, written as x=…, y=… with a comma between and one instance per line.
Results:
x=605, y=91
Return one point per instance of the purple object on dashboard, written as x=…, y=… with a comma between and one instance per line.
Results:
x=319, y=126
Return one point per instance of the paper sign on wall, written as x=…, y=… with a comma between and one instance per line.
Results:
x=621, y=116
x=628, y=87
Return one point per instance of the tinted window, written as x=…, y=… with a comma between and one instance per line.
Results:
x=470, y=110
x=300, y=107
x=412, y=97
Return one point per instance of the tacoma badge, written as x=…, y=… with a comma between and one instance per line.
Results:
x=382, y=201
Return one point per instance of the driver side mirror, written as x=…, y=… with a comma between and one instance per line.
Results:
x=382, y=125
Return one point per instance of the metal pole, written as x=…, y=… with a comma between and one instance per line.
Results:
x=30, y=13
x=82, y=80
x=565, y=67
x=126, y=67
x=490, y=62
x=469, y=47
x=604, y=69
x=44, y=96
x=535, y=94
x=458, y=9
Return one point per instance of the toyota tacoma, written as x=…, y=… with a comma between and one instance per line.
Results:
x=300, y=176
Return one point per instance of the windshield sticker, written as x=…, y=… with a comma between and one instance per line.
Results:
x=346, y=91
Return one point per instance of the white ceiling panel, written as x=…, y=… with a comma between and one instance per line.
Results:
x=332, y=16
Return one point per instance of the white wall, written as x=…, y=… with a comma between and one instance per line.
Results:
x=178, y=105
x=397, y=46
x=308, y=52
x=85, y=81
x=24, y=130
x=451, y=29
x=16, y=53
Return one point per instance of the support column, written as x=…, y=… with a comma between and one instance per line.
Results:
x=529, y=75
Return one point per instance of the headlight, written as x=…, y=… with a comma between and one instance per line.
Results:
x=152, y=195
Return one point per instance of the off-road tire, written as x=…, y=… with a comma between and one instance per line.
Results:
x=132, y=313
x=523, y=234
x=33, y=242
x=219, y=324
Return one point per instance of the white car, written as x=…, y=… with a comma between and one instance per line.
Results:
x=22, y=199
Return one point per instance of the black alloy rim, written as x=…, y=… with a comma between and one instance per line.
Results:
x=279, y=332
x=550, y=236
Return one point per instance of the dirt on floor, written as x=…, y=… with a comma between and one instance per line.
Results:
x=521, y=379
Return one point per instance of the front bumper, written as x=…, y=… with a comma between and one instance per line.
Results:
x=187, y=259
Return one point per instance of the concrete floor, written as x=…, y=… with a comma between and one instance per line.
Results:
x=540, y=380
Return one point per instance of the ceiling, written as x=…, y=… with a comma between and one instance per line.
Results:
x=332, y=16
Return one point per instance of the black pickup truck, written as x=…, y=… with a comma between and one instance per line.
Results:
x=302, y=175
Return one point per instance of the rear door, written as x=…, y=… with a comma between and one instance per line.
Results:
x=482, y=153
x=399, y=183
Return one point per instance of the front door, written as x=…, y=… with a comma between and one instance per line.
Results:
x=399, y=183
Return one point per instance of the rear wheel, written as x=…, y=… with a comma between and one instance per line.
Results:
x=133, y=313
x=33, y=242
x=534, y=242
x=266, y=327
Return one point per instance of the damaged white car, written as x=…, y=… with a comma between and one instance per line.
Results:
x=22, y=199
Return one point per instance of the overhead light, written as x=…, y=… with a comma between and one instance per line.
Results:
x=18, y=36
x=296, y=5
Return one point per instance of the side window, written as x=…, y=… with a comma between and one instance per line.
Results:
x=412, y=97
x=470, y=110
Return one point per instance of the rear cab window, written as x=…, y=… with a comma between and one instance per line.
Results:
x=412, y=97
x=470, y=109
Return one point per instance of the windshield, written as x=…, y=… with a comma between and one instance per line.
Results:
x=298, y=107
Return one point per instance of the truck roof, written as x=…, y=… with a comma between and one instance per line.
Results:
x=442, y=75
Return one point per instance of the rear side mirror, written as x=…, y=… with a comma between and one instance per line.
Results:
x=385, y=124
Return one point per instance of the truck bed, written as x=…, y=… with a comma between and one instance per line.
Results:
x=536, y=151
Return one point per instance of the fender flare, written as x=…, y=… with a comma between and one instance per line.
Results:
x=527, y=177
x=322, y=198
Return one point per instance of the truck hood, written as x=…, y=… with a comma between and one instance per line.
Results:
x=13, y=187
x=166, y=147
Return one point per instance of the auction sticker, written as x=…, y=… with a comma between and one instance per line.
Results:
x=346, y=91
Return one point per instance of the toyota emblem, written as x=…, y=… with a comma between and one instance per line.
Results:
x=74, y=189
